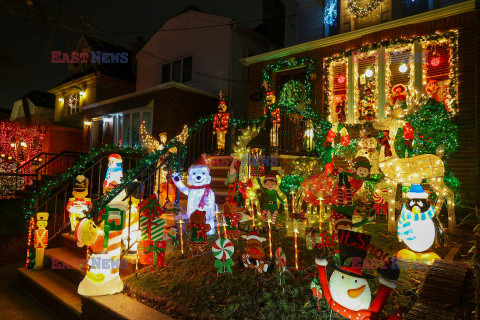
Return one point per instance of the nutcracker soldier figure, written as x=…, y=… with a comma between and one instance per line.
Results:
x=79, y=203
x=41, y=239
x=220, y=123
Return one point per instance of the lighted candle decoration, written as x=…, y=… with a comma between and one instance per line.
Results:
x=270, y=236
x=181, y=234
x=218, y=225
x=296, y=247
x=225, y=227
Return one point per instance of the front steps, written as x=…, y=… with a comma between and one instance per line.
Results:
x=56, y=287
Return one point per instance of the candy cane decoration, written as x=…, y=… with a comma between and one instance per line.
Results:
x=344, y=136
x=280, y=260
x=246, y=263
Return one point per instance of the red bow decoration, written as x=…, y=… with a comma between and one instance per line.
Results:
x=381, y=208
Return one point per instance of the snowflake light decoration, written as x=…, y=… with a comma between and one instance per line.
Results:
x=330, y=13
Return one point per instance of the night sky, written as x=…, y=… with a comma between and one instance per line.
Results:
x=30, y=30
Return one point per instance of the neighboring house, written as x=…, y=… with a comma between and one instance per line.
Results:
x=5, y=113
x=180, y=71
x=34, y=104
x=92, y=82
x=383, y=50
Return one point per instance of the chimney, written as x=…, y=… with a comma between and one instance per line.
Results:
x=136, y=47
x=274, y=21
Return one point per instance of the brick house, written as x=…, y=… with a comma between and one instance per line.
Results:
x=338, y=75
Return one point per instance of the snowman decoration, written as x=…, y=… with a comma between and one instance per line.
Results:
x=348, y=292
x=114, y=174
x=418, y=225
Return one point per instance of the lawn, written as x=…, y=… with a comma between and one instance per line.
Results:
x=188, y=287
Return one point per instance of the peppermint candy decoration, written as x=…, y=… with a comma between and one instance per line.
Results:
x=223, y=249
x=280, y=260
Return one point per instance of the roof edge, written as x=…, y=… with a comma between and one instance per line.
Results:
x=159, y=87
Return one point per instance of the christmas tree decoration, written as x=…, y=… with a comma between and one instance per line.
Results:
x=200, y=195
x=348, y=293
x=280, y=264
x=79, y=204
x=102, y=276
x=114, y=174
x=220, y=123
x=253, y=258
x=416, y=227
x=223, y=250
x=198, y=229
x=41, y=239
x=411, y=170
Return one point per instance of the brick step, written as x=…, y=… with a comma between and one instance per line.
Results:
x=53, y=290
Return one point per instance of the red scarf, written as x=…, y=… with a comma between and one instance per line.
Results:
x=205, y=194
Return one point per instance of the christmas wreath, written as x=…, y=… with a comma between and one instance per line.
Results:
x=362, y=11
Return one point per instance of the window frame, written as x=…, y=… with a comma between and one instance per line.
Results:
x=182, y=72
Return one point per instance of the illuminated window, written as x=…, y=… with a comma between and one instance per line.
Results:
x=399, y=68
x=337, y=100
x=73, y=103
x=365, y=80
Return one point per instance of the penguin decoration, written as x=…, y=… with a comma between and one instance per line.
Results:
x=419, y=227
x=347, y=292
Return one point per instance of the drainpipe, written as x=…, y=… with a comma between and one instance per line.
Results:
x=230, y=64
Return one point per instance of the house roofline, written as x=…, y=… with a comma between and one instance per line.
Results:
x=448, y=11
x=88, y=77
x=159, y=87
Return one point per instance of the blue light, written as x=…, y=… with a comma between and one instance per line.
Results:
x=330, y=14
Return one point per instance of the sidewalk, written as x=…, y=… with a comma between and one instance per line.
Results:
x=16, y=303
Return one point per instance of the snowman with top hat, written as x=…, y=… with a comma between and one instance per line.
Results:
x=348, y=292
x=418, y=227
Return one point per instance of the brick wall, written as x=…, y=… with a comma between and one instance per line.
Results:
x=58, y=139
x=175, y=107
x=465, y=164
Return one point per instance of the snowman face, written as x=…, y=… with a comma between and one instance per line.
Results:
x=351, y=292
x=422, y=204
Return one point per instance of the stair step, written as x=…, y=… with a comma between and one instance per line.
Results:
x=66, y=263
x=56, y=292
x=118, y=306
x=69, y=241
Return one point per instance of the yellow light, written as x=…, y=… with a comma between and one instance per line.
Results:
x=60, y=100
x=82, y=94
x=87, y=123
x=403, y=68
x=23, y=144
x=12, y=145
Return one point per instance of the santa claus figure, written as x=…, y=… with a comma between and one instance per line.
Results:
x=340, y=109
x=433, y=89
x=399, y=94
x=348, y=292
x=114, y=173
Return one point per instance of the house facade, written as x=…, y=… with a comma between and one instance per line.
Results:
x=437, y=47
x=180, y=71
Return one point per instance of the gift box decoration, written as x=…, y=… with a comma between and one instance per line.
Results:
x=152, y=253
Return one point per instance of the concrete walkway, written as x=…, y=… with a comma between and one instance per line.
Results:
x=16, y=303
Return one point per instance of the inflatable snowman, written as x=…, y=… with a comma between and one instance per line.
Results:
x=114, y=174
x=348, y=292
x=418, y=225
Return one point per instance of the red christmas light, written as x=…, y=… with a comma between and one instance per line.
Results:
x=341, y=79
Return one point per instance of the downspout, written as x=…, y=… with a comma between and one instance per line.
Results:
x=230, y=65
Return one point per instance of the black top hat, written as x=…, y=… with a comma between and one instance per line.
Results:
x=352, y=253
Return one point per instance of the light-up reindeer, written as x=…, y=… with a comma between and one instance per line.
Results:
x=410, y=170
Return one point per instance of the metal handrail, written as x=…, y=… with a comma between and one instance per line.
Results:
x=57, y=156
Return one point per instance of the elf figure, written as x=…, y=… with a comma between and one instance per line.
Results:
x=77, y=205
x=220, y=124
x=417, y=226
x=198, y=228
x=272, y=196
x=433, y=90
x=340, y=109
x=232, y=179
x=348, y=292
x=348, y=184
x=114, y=173
x=41, y=239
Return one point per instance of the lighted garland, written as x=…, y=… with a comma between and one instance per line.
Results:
x=362, y=11
x=71, y=173
x=452, y=36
